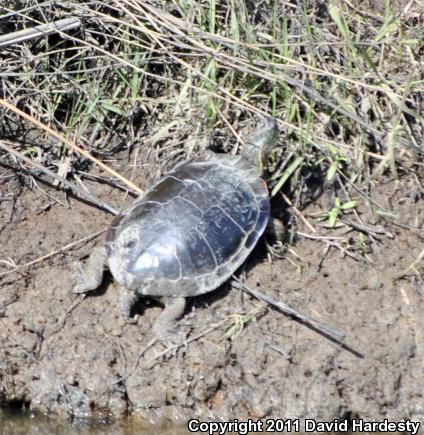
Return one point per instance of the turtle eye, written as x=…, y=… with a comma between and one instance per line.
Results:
x=130, y=244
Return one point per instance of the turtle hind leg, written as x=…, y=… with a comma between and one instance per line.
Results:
x=89, y=276
x=165, y=325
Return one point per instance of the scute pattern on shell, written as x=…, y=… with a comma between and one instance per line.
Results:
x=191, y=231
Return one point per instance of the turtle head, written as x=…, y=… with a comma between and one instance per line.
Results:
x=260, y=142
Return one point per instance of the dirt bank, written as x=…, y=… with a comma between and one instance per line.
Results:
x=71, y=356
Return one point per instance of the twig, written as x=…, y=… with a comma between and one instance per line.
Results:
x=343, y=250
x=238, y=136
x=298, y=213
x=105, y=180
x=412, y=265
x=374, y=230
x=82, y=193
x=367, y=197
x=326, y=330
x=51, y=254
x=311, y=236
x=39, y=31
x=137, y=361
x=61, y=322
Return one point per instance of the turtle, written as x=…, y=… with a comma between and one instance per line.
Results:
x=188, y=233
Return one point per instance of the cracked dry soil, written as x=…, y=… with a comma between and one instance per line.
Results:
x=67, y=355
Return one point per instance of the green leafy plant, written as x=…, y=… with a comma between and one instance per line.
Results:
x=338, y=209
x=336, y=162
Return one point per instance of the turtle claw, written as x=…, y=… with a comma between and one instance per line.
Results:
x=127, y=300
x=275, y=250
x=80, y=285
x=170, y=337
x=130, y=320
x=165, y=326
x=274, y=239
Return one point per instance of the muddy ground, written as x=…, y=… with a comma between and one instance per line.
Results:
x=60, y=353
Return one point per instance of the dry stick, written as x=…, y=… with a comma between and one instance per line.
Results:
x=71, y=145
x=412, y=265
x=82, y=193
x=51, y=254
x=38, y=31
x=231, y=128
x=311, y=236
x=14, y=13
x=372, y=230
x=326, y=330
x=298, y=213
x=367, y=197
x=345, y=251
x=136, y=363
x=61, y=322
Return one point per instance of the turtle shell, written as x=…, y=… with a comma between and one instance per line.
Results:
x=190, y=231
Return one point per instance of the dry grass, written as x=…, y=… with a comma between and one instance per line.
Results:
x=345, y=80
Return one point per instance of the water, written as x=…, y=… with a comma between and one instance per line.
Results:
x=24, y=422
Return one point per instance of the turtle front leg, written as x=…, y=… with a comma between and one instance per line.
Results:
x=164, y=326
x=127, y=299
x=89, y=276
